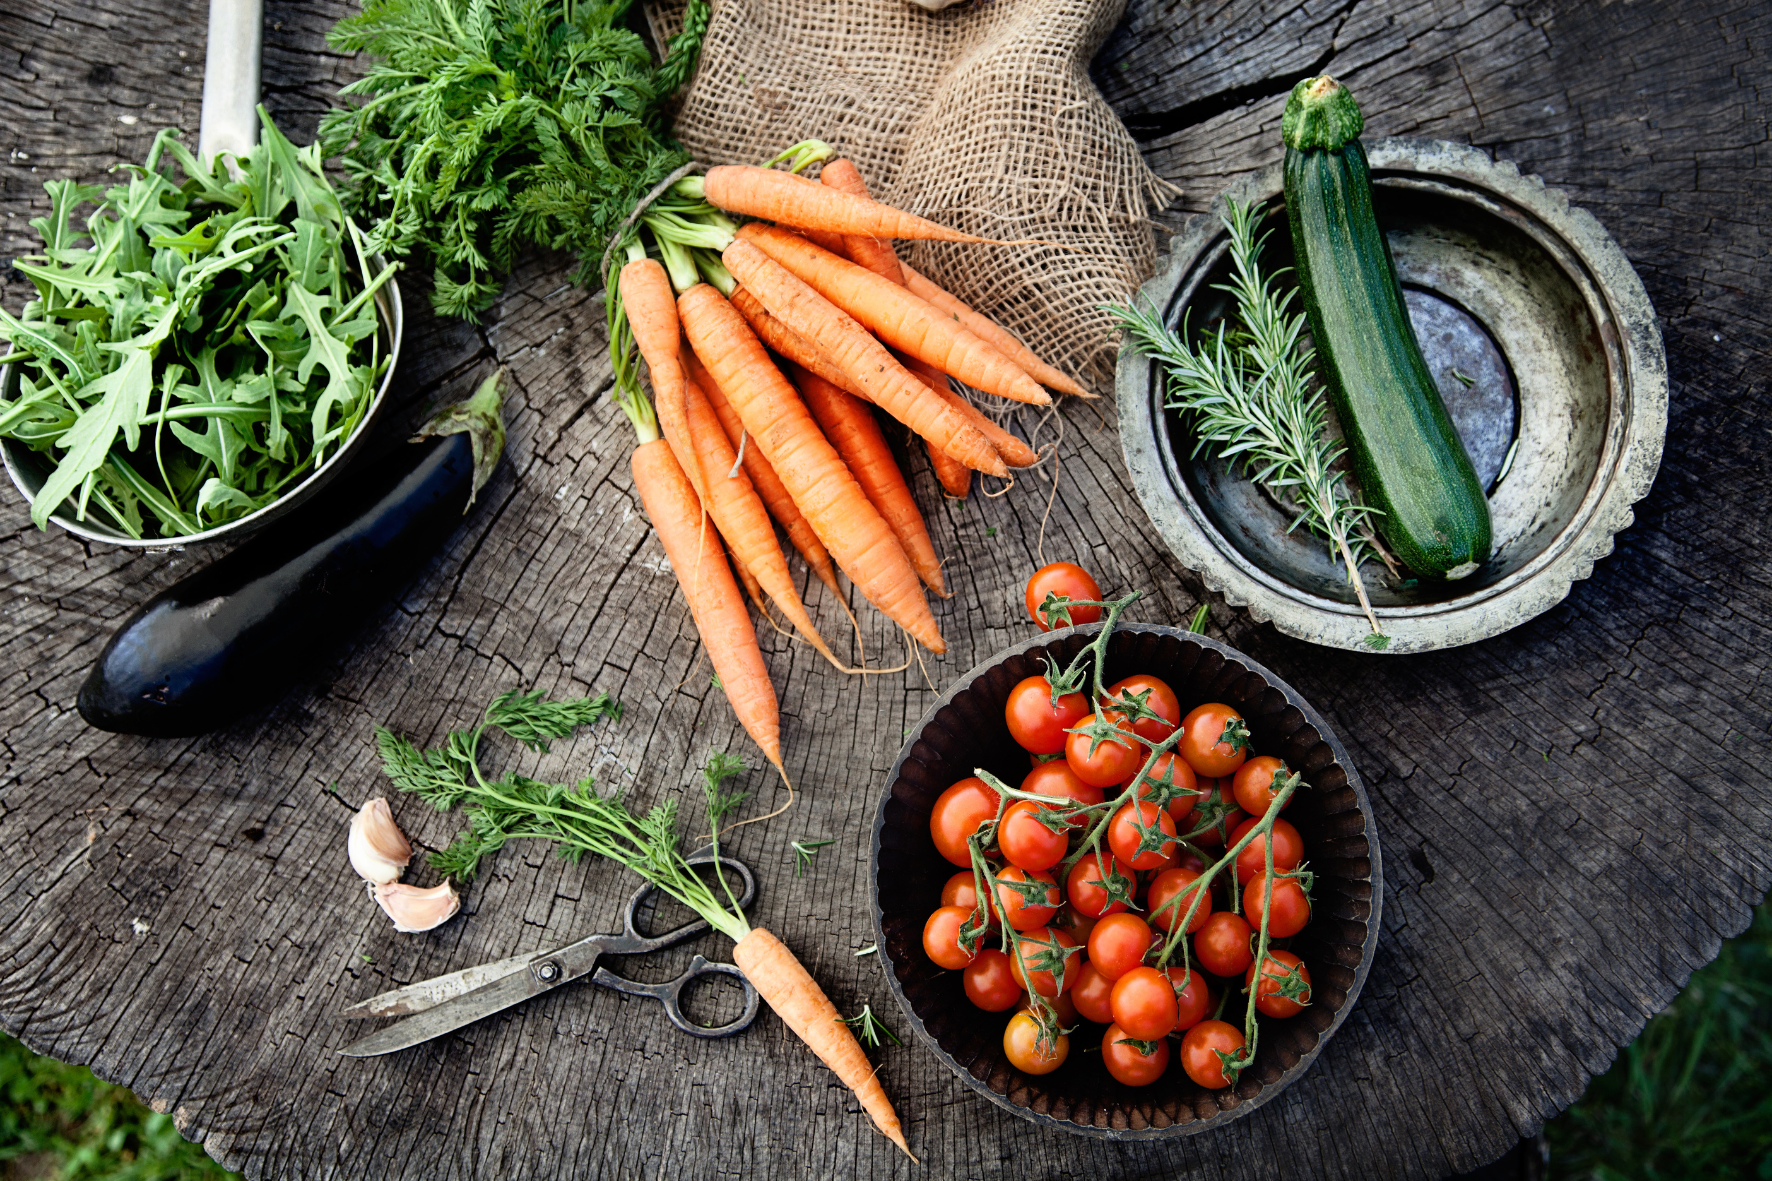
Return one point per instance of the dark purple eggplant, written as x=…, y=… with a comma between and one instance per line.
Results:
x=241, y=632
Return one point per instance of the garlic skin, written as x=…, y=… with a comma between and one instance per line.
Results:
x=415, y=909
x=377, y=847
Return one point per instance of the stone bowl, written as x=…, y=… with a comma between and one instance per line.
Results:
x=965, y=730
x=30, y=469
x=1547, y=354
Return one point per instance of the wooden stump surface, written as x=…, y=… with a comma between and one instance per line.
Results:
x=1573, y=814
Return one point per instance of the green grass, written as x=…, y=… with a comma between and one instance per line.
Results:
x=58, y=1121
x=1692, y=1097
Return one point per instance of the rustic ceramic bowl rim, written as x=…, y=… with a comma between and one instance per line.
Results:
x=1606, y=508
x=390, y=313
x=1368, y=948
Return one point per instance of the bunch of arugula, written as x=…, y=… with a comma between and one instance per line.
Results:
x=218, y=326
x=494, y=125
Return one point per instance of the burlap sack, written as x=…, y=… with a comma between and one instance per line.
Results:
x=982, y=117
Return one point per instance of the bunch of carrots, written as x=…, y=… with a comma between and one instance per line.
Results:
x=815, y=282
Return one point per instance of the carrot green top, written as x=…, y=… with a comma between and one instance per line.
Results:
x=1320, y=114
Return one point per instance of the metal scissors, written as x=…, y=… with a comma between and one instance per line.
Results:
x=444, y=1004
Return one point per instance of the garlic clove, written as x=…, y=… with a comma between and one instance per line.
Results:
x=416, y=909
x=377, y=847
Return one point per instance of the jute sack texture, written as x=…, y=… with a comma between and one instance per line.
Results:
x=981, y=117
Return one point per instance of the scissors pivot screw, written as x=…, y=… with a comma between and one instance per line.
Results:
x=547, y=971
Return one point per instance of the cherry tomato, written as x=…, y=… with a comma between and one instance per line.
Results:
x=1027, y=1052
x=1158, y=697
x=1047, y=962
x=1203, y=740
x=1067, y=580
x=1222, y=946
x=1142, y=835
x=1172, y=775
x=1062, y=1005
x=1215, y=814
x=1289, y=910
x=1073, y=924
x=941, y=938
x=1143, y=1002
x=1026, y=841
x=1276, y=976
x=1092, y=994
x=960, y=890
x=1033, y=722
x=1024, y=910
x=1191, y=1003
x=1102, y=762
x=1056, y=779
x=1200, y=1048
x=1288, y=849
x=1092, y=879
x=1118, y=944
x=1254, y=784
x=1169, y=883
x=958, y=813
x=990, y=981
x=1135, y=1065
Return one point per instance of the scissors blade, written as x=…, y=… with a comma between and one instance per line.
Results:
x=543, y=974
x=428, y=994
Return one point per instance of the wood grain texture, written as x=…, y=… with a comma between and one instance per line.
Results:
x=1574, y=813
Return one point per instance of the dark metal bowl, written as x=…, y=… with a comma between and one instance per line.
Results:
x=965, y=730
x=30, y=469
x=1545, y=349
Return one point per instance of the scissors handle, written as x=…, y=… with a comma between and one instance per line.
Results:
x=670, y=995
x=632, y=942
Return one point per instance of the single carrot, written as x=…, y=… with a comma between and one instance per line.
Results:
x=810, y=468
x=954, y=476
x=1015, y=453
x=651, y=308
x=790, y=344
x=898, y=317
x=862, y=359
x=999, y=337
x=784, y=982
x=873, y=253
x=849, y=424
x=707, y=583
x=791, y=200
x=739, y=512
x=763, y=478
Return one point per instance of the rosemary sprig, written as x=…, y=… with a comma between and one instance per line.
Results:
x=869, y=1028
x=1250, y=391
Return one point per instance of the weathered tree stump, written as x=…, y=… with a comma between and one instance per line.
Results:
x=1575, y=813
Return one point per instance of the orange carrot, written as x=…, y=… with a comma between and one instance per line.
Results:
x=1000, y=338
x=790, y=344
x=862, y=359
x=768, y=485
x=739, y=512
x=849, y=424
x=955, y=477
x=714, y=601
x=872, y=253
x=783, y=981
x=792, y=200
x=810, y=468
x=651, y=308
x=900, y=318
x=1015, y=453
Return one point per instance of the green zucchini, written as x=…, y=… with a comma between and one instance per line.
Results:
x=1406, y=453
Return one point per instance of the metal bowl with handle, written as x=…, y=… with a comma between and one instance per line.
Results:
x=229, y=125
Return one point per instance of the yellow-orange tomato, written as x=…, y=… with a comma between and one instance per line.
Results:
x=1027, y=1051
